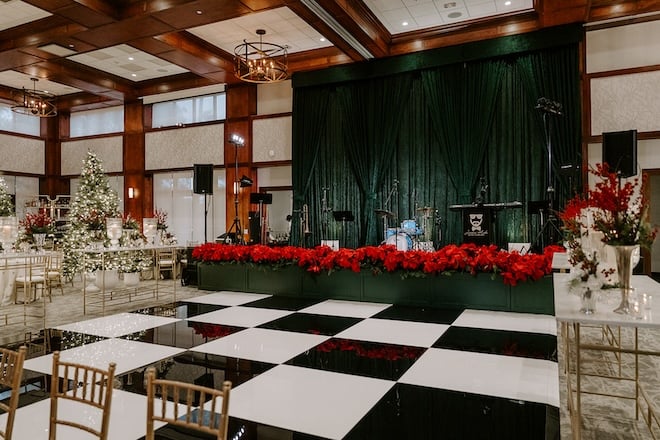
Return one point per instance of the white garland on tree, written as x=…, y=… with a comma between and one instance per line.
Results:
x=94, y=201
x=6, y=205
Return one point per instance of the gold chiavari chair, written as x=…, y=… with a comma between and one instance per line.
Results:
x=204, y=418
x=84, y=385
x=11, y=373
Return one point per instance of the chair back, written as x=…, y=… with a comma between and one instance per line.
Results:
x=211, y=417
x=84, y=385
x=11, y=373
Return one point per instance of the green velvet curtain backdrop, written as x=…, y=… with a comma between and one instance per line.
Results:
x=418, y=142
x=370, y=139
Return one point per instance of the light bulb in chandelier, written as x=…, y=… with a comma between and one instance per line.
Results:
x=260, y=62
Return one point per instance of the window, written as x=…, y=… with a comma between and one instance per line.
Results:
x=102, y=121
x=189, y=110
x=18, y=123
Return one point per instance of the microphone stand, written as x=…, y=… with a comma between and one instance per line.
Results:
x=393, y=191
x=549, y=226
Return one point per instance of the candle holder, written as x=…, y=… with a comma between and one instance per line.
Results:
x=8, y=232
x=150, y=228
x=113, y=229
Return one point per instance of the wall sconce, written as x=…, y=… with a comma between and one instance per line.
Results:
x=132, y=192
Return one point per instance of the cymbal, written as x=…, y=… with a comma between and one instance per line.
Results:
x=384, y=213
x=426, y=209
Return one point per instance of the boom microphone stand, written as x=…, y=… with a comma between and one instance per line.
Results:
x=549, y=226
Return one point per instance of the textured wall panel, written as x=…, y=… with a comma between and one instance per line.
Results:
x=107, y=149
x=625, y=102
x=274, y=98
x=623, y=47
x=272, y=139
x=22, y=155
x=183, y=147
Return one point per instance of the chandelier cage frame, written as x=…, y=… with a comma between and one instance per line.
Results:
x=260, y=61
x=35, y=102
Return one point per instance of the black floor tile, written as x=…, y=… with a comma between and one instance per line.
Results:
x=183, y=334
x=63, y=340
x=313, y=324
x=180, y=309
x=421, y=314
x=413, y=412
x=530, y=345
x=283, y=303
x=371, y=359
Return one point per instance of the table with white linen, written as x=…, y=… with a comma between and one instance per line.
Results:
x=107, y=288
x=614, y=328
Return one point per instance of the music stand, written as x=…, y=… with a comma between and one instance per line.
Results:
x=343, y=217
x=261, y=199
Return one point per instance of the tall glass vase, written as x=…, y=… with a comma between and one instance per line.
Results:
x=624, y=268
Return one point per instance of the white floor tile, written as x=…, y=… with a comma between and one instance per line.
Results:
x=127, y=418
x=522, y=322
x=117, y=325
x=227, y=298
x=128, y=355
x=417, y=334
x=241, y=316
x=262, y=345
x=533, y=380
x=353, y=309
x=311, y=401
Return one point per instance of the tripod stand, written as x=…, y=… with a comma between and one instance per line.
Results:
x=549, y=232
x=235, y=227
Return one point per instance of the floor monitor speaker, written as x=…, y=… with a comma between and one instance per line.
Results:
x=203, y=179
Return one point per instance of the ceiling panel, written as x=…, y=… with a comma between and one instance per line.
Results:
x=19, y=81
x=127, y=62
x=282, y=27
x=14, y=13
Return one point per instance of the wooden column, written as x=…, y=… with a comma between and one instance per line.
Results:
x=53, y=130
x=241, y=105
x=141, y=203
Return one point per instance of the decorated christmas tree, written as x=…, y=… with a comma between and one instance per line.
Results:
x=6, y=205
x=93, y=203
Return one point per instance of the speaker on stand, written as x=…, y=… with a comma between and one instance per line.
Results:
x=203, y=184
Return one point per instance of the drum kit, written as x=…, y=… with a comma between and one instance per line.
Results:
x=411, y=234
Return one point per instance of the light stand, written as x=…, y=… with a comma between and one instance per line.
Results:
x=549, y=226
x=235, y=227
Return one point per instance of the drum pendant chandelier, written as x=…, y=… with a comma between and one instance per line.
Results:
x=260, y=62
x=35, y=102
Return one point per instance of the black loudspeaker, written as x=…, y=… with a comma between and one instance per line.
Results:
x=203, y=179
x=620, y=152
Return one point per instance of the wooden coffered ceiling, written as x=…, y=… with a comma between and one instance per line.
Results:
x=75, y=45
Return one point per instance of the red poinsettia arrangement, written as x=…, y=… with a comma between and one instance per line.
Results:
x=469, y=258
x=38, y=223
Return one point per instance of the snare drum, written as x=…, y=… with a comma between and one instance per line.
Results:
x=402, y=241
x=410, y=227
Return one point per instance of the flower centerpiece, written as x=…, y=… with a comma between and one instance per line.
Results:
x=619, y=211
x=580, y=256
x=35, y=228
x=161, y=219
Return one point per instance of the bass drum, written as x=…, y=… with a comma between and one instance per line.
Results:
x=402, y=241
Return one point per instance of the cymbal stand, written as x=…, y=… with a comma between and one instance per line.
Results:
x=393, y=192
x=324, y=213
x=549, y=225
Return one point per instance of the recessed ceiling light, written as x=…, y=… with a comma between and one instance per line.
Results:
x=199, y=12
x=72, y=46
x=507, y=3
x=130, y=58
x=322, y=39
x=455, y=14
x=405, y=23
x=133, y=74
